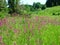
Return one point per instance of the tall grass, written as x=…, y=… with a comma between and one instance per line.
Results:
x=38, y=30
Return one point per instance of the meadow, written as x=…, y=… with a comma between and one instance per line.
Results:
x=43, y=29
x=48, y=11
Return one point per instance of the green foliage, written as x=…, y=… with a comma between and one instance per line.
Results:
x=37, y=5
x=3, y=14
x=48, y=11
x=27, y=7
x=32, y=9
x=43, y=7
x=3, y=5
x=51, y=3
x=56, y=13
x=13, y=5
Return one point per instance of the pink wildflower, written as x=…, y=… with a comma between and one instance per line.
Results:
x=4, y=21
x=37, y=18
x=33, y=26
x=0, y=38
x=39, y=27
x=43, y=23
x=15, y=31
x=1, y=23
x=28, y=25
x=25, y=30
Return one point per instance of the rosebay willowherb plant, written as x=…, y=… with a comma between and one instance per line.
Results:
x=26, y=31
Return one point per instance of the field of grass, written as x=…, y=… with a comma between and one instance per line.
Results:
x=48, y=11
x=37, y=30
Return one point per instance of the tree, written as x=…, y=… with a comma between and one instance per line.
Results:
x=3, y=4
x=51, y=3
x=17, y=6
x=13, y=5
x=43, y=7
x=58, y=2
x=37, y=5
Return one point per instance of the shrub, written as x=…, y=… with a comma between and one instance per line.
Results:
x=43, y=7
x=57, y=13
x=53, y=13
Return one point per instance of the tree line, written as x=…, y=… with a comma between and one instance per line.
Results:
x=14, y=5
x=51, y=3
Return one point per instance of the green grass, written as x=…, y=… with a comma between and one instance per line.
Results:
x=30, y=31
x=48, y=11
x=3, y=14
x=51, y=35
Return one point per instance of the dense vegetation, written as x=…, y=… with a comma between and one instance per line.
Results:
x=15, y=7
x=37, y=24
x=51, y=3
x=53, y=11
